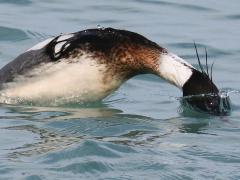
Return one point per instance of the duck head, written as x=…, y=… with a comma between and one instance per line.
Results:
x=199, y=91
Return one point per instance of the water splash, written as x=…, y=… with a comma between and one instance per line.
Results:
x=215, y=104
x=224, y=106
x=100, y=27
x=65, y=101
x=230, y=92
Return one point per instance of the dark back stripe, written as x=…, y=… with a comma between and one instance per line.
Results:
x=101, y=40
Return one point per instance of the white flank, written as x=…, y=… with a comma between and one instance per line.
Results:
x=174, y=69
x=84, y=80
x=40, y=45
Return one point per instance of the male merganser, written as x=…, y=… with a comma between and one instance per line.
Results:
x=89, y=65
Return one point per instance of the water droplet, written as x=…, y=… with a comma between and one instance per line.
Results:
x=100, y=27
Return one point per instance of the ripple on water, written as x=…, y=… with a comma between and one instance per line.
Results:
x=212, y=51
x=18, y=2
x=34, y=177
x=85, y=149
x=12, y=34
x=88, y=157
x=141, y=135
x=233, y=17
x=192, y=7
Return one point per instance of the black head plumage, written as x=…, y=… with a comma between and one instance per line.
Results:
x=201, y=92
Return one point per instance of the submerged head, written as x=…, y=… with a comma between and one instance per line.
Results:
x=201, y=93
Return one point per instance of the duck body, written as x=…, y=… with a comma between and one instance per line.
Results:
x=86, y=65
x=89, y=65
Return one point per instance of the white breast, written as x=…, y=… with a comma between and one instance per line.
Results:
x=80, y=81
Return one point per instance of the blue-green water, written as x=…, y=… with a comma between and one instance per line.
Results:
x=139, y=132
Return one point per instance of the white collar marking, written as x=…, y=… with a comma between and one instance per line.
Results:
x=174, y=69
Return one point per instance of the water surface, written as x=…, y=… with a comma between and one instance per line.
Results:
x=139, y=132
